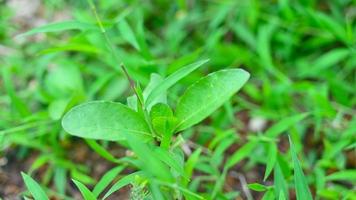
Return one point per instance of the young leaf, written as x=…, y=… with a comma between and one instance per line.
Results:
x=34, y=188
x=301, y=185
x=206, y=95
x=86, y=193
x=105, y=121
x=163, y=122
x=60, y=26
x=172, y=79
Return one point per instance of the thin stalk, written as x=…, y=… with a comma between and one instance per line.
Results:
x=110, y=46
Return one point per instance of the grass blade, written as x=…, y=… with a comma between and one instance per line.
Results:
x=34, y=188
x=86, y=193
x=60, y=26
x=106, y=180
x=301, y=185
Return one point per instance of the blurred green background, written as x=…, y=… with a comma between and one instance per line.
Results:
x=301, y=56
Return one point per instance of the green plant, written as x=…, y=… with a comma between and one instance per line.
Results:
x=301, y=55
x=149, y=132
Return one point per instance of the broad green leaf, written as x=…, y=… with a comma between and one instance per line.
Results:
x=105, y=121
x=34, y=188
x=106, y=180
x=344, y=175
x=241, y=153
x=86, y=193
x=301, y=185
x=172, y=79
x=284, y=124
x=57, y=108
x=60, y=26
x=206, y=95
x=271, y=159
x=161, y=110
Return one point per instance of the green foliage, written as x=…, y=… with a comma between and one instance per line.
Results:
x=149, y=88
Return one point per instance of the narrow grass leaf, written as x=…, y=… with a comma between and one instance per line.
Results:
x=241, y=153
x=271, y=159
x=121, y=183
x=284, y=125
x=301, y=185
x=151, y=164
x=172, y=79
x=60, y=26
x=106, y=180
x=127, y=33
x=344, y=175
x=101, y=150
x=34, y=188
x=280, y=184
x=60, y=179
x=86, y=193
x=190, y=164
